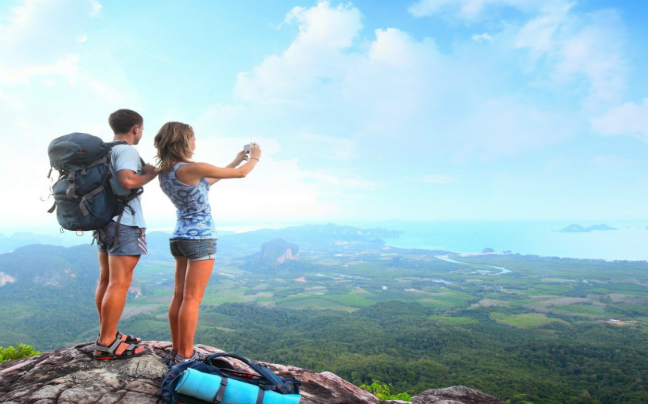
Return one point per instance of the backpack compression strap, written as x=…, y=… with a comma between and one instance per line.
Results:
x=87, y=196
x=71, y=179
x=220, y=394
x=134, y=194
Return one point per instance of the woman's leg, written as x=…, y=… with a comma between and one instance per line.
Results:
x=197, y=276
x=176, y=301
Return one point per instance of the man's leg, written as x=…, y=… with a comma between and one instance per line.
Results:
x=103, y=281
x=120, y=276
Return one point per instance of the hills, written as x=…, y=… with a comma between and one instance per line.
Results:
x=522, y=328
x=66, y=239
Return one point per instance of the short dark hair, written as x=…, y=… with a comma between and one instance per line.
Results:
x=122, y=120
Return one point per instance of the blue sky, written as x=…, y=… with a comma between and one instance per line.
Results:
x=371, y=110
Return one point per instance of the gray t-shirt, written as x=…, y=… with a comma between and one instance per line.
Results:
x=126, y=157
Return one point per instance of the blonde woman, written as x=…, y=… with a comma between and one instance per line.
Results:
x=193, y=242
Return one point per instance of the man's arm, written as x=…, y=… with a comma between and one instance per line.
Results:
x=131, y=180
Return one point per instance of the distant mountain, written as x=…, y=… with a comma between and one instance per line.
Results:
x=10, y=243
x=576, y=228
x=307, y=237
x=278, y=251
x=49, y=265
x=158, y=242
x=54, y=237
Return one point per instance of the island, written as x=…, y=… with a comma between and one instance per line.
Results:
x=576, y=228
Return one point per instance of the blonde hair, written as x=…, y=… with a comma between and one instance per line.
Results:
x=172, y=144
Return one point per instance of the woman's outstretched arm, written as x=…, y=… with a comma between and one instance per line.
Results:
x=240, y=157
x=193, y=172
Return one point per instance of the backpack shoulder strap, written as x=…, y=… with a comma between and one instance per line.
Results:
x=115, y=143
x=273, y=381
x=120, y=142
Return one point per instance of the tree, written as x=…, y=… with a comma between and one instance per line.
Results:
x=11, y=353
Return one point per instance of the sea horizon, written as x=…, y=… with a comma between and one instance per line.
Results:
x=528, y=237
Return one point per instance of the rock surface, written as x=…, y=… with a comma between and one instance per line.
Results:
x=455, y=395
x=72, y=376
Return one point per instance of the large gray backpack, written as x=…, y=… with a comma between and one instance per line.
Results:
x=83, y=198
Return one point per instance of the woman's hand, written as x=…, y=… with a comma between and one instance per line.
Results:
x=240, y=157
x=215, y=174
x=255, y=151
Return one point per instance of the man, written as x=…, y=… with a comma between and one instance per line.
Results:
x=119, y=255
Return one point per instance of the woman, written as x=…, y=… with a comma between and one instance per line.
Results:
x=193, y=243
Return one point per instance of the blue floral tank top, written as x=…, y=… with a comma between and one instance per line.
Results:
x=192, y=204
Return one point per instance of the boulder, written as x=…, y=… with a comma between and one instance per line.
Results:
x=455, y=395
x=71, y=376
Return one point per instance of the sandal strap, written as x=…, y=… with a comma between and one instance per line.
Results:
x=195, y=356
x=111, y=348
x=130, y=351
x=128, y=337
x=108, y=349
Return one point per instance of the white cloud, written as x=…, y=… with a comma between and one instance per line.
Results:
x=538, y=34
x=46, y=92
x=311, y=59
x=626, y=119
x=106, y=91
x=393, y=89
x=580, y=51
x=595, y=51
x=41, y=38
x=473, y=9
x=273, y=191
x=66, y=67
x=324, y=27
x=479, y=38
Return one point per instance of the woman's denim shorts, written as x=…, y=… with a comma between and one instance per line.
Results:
x=193, y=250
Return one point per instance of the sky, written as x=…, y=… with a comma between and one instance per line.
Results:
x=367, y=110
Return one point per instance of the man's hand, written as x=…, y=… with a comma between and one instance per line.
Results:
x=149, y=171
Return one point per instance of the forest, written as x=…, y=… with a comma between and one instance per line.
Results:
x=525, y=329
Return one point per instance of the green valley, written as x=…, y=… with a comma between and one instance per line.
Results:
x=527, y=329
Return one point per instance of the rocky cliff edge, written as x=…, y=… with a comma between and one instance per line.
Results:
x=72, y=376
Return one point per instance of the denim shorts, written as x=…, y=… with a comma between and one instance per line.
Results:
x=193, y=250
x=131, y=240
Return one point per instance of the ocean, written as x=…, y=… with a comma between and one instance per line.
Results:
x=628, y=242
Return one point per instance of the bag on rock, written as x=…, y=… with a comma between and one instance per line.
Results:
x=206, y=382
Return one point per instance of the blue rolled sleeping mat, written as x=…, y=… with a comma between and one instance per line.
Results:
x=205, y=386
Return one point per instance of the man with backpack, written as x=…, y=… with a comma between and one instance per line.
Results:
x=123, y=240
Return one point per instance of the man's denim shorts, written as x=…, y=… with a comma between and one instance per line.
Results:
x=193, y=250
x=131, y=240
